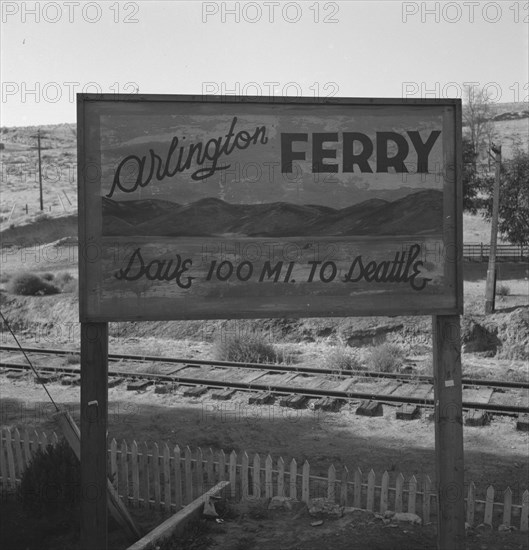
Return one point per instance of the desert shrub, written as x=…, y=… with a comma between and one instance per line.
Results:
x=250, y=347
x=50, y=488
x=342, y=358
x=29, y=284
x=503, y=290
x=66, y=282
x=47, y=276
x=386, y=358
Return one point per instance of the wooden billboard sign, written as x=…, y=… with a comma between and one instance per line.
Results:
x=196, y=207
x=205, y=207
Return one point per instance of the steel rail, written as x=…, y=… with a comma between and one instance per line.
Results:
x=287, y=390
x=280, y=368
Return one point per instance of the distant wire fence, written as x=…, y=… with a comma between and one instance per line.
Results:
x=479, y=252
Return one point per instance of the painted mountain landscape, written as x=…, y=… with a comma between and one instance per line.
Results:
x=416, y=214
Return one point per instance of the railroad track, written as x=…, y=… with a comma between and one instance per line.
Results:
x=490, y=396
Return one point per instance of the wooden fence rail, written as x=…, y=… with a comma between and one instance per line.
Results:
x=479, y=252
x=167, y=478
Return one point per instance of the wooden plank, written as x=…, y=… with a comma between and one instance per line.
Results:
x=244, y=475
x=449, y=460
x=524, y=514
x=331, y=483
x=489, y=506
x=384, y=493
x=477, y=395
x=222, y=395
x=11, y=471
x=124, y=472
x=222, y=465
x=93, y=440
x=27, y=450
x=139, y=385
x=188, y=475
x=426, y=500
x=262, y=398
x=18, y=453
x=522, y=424
x=269, y=489
x=507, y=507
x=233, y=473
x=200, y=471
x=370, y=408
x=177, y=523
x=293, y=477
x=256, y=476
x=195, y=391
x=476, y=417
x=293, y=401
x=280, y=477
x=344, y=487
x=399, y=491
x=114, y=473
x=358, y=488
x=407, y=412
x=177, y=476
x=166, y=457
x=156, y=476
x=3, y=460
x=370, y=507
x=471, y=503
x=134, y=463
x=412, y=495
x=210, y=468
x=145, y=480
x=305, y=483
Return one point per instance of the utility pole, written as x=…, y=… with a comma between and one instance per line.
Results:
x=40, y=171
x=490, y=290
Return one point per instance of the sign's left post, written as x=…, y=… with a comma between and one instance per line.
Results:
x=94, y=420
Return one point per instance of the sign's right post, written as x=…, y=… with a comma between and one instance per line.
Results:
x=448, y=432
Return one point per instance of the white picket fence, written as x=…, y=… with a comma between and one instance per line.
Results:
x=167, y=478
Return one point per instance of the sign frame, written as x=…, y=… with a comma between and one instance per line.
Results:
x=90, y=239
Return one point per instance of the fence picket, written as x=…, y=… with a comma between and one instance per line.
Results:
x=471, y=503
x=156, y=476
x=244, y=475
x=489, y=504
x=524, y=515
x=3, y=462
x=135, y=474
x=399, y=484
x=412, y=495
x=233, y=473
x=280, y=477
x=166, y=457
x=384, y=493
x=27, y=450
x=177, y=478
x=188, y=475
x=222, y=466
x=370, y=491
x=269, y=490
x=11, y=474
x=507, y=506
x=358, y=488
x=18, y=453
x=125, y=471
x=35, y=442
x=426, y=500
x=200, y=471
x=256, y=476
x=305, y=482
x=344, y=488
x=293, y=479
x=210, y=472
x=145, y=481
x=113, y=464
x=331, y=483
x=54, y=439
x=43, y=441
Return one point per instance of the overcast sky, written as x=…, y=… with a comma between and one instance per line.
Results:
x=51, y=50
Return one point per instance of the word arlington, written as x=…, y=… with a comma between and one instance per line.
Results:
x=181, y=158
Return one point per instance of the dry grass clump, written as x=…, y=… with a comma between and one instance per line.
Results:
x=386, y=358
x=503, y=290
x=342, y=358
x=30, y=284
x=249, y=347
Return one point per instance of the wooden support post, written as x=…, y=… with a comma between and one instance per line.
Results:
x=448, y=432
x=490, y=289
x=94, y=410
